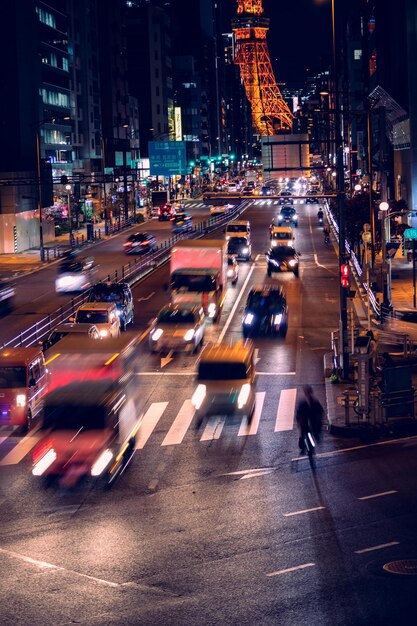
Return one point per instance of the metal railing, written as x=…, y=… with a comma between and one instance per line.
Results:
x=131, y=272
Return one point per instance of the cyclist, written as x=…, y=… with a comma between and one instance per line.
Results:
x=320, y=216
x=326, y=233
x=309, y=416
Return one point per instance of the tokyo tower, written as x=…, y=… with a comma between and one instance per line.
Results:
x=269, y=110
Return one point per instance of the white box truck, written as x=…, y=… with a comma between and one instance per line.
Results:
x=199, y=274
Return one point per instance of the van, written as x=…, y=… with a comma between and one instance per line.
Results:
x=239, y=228
x=24, y=383
x=282, y=236
x=226, y=381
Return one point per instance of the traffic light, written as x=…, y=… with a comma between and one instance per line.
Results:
x=344, y=275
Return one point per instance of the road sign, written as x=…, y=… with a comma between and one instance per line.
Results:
x=410, y=233
x=167, y=158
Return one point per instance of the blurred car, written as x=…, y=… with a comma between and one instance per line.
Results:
x=288, y=215
x=232, y=188
x=182, y=223
x=120, y=294
x=281, y=236
x=140, y=243
x=266, y=191
x=220, y=209
x=178, y=327
x=282, y=259
x=286, y=201
x=165, y=212
x=7, y=295
x=247, y=191
x=102, y=314
x=226, y=381
x=232, y=269
x=240, y=247
x=90, y=331
x=312, y=200
x=266, y=312
x=178, y=207
x=75, y=275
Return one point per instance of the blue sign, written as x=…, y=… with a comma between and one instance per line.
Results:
x=167, y=158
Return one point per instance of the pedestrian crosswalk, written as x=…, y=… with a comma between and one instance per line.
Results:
x=170, y=424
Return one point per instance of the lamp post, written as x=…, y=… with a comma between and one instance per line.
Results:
x=38, y=166
x=68, y=190
x=386, y=263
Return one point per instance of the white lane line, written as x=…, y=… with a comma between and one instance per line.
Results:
x=20, y=450
x=291, y=569
x=180, y=425
x=214, y=428
x=45, y=565
x=380, y=547
x=286, y=408
x=187, y=373
x=149, y=421
x=236, y=304
x=3, y=439
x=317, y=508
x=252, y=428
x=354, y=449
x=378, y=495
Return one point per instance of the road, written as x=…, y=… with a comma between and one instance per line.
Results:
x=222, y=525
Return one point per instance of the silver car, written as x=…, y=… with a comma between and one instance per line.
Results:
x=178, y=327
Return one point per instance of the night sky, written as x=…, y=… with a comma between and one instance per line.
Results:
x=299, y=37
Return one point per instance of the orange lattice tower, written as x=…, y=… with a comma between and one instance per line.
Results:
x=269, y=110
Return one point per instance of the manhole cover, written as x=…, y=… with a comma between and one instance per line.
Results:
x=404, y=567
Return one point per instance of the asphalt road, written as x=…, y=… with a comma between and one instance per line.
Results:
x=222, y=525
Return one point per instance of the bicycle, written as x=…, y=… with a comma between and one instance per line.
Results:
x=326, y=240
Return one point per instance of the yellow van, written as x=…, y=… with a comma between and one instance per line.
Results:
x=226, y=380
x=282, y=236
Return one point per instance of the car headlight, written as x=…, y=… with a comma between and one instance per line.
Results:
x=278, y=319
x=229, y=273
x=157, y=334
x=273, y=243
x=102, y=462
x=292, y=263
x=65, y=281
x=46, y=461
x=104, y=332
x=119, y=313
x=245, y=250
x=243, y=395
x=189, y=334
x=248, y=319
x=21, y=399
x=198, y=396
x=295, y=218
x=280, y=218
x=211, y=309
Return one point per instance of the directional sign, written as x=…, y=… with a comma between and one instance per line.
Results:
x=410, y=233
x=167, y=158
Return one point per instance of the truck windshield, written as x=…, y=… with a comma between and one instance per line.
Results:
x=218, y=370
x=193, y=282
x=73, y=417
x=11, y=377
x=92, y=317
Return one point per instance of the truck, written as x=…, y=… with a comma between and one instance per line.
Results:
x=158, y=198
x=199, y=274
x=91, y=414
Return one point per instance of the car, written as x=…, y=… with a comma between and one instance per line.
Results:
x=120, y=294
x=247, y=191
x=165, y=212
x=75, y=275
x=240, y=228
x=178, y=207
x=140, y=243
x=266, y=312
x=286, y=200
x=281, y=236
x=232, y=188
x=178, y=327
x=232, y=269
x=282, y=259
x=182, y=223
x=239, y=247
x=220, y=209
x=102, y=314
x=288, y=215
x=266, y=191
x=90, y=331
x=312, y=201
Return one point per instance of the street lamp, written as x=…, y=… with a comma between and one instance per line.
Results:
x=386, y=263
x=68, y=189
x=358, y=188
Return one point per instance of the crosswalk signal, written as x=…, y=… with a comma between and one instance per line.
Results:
x=344, y=275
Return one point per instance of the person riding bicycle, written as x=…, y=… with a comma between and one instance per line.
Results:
x=309, y=416
x=326, y=233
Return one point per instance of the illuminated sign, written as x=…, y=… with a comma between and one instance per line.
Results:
x=178, y=123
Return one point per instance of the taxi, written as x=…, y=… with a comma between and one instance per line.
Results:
x=282, y=236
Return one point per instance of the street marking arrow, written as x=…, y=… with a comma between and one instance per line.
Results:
x=167, y=359
x=147, y=297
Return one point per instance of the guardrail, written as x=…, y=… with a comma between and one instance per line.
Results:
x=131, y=272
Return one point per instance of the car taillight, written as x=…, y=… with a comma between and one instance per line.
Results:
x=127, y=243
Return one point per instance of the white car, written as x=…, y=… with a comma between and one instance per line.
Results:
x=178, y=327
x=75, y=275
x=221, y=209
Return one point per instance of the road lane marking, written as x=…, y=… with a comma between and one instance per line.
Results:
x=148, y=422
x=146, y=298
x=20, y=450
x=378, y=495
x=354, y=449
x=256, y=470
x=291, y=569
x=236, y=304
x=188, y=373
x=252, y=428
x=213, y=429
x=180, y=425
x=286, y=408
x=317, y=508
x=380, y=547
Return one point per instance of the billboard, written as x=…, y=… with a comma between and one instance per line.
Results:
x=167, y=158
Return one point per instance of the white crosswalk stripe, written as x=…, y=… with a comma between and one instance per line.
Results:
x=252, y=428
x=20, y=450
x=149, y=422
x=213, y=429
x=180, y=425
x=286, y=408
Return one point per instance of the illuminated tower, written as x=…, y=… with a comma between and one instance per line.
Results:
x=269, y=110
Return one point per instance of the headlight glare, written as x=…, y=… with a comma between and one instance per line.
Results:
x=157, y=334
x=189, y=334
x=198, y=396
x=104, y=332
x=21, y=399
x=248, y=319
x=243, y=395
x=278, y=319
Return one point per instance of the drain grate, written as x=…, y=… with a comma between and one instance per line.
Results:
x=403, y=567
